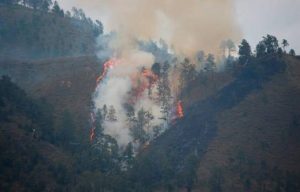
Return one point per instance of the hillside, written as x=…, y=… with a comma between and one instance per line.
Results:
x=26, y=143
x=247, y=131
x=256, y=147
x=141, y=116
x=45, y=135
x=243, y=127
x=65, y=83
x=33, y=34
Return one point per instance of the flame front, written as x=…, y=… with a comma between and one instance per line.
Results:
x=179, y=110
x=92, y=134
x=146, y=79
x=139, y=88
x=107, y=65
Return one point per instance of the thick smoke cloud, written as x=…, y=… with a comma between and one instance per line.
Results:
x=114, y=88
x=186, y=25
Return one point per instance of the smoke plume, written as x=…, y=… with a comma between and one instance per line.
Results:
x=186, y=26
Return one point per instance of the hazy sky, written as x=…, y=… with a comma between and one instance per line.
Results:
x=277, y=17
x=256, y=18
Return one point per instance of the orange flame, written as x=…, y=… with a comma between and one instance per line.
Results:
x=150, y=75
x=179, y=110
x=142, y=81
x=92, y=134
x=107, y=65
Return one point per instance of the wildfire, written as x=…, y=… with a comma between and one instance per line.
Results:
x=145, y=80
x=92, y=134
x=179, y=110
x=149, y=74
x=107, y=65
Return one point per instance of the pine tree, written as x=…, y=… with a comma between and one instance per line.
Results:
x=57, y=10
x=210, y=63
x=292, y=52
x=164, y=90
x=112, y=114
x=244, y=52
x=285, y=44
x=104, y=112
x=260, y=49
x=140, y=129
x=230, y=46
x=99, y=123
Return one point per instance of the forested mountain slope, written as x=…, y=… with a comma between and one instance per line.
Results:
x=243, y=137
x=257, y=144
x=27, y=33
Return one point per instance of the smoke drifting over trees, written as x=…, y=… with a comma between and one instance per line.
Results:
x=187, y=26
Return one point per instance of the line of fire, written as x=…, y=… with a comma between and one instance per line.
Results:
x=144, y=82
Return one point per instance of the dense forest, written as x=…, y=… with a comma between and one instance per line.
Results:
x=46, y=143
x=37, y=29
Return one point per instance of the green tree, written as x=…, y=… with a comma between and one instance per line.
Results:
x=57, y=10
x=156, y=69
x=285, y=44
x=39, y=4
x=188, y=72
x=292, y=52
x=200, y=56
x=111, y=116
x=164, y=90
x=141, y=126
x=128, y=154
x=210, y=63
x=98, y=28
x=261, y=49
x=271, y=43
x=9, y=2
x=280, y=51
x=46, y=5
x=104, y=112
x=99, y=123
x=223, y=47
x=230, y=46
x=244, y=52
x=67, y=127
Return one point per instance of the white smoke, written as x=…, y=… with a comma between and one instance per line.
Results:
x=114, y=91
x=111, y=92
x=186, y=26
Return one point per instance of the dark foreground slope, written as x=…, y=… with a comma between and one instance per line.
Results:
x=257, y=144
x=172, y=160
x=65, y=83
x=242, y=136
x=28, y=159
x=44, y=135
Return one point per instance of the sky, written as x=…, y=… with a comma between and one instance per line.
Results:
x=256, y=18
x=277, y=17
